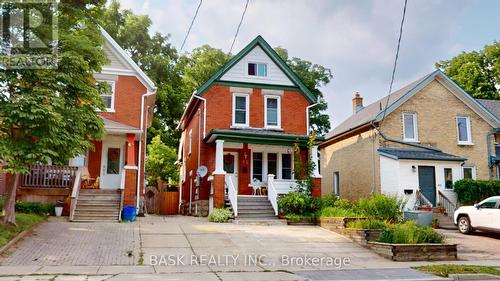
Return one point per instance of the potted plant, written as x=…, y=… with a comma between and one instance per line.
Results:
x=435, y=223
x=59, y=208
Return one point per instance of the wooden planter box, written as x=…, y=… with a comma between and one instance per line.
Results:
x=337, y=224
x=362, y=236
x=415, y=252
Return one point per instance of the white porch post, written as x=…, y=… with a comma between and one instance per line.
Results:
x=314, y=159
x=219, y=156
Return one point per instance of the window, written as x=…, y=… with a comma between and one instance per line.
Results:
x=336, y=183
x=286, y=166
x=79, y=161
x=109, y=94
x=410, y=131
x=257, y=69
x=240, y=110
x=113, y=163
x=229, y=163
x=190, y=141
x=468, y=173
x=463, y=130
x=273, y=112
x=257, y=166
x=448, y=178
x=490, y=204
x=272, y=164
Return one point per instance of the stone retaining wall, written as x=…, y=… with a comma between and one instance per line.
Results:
x=415, y=252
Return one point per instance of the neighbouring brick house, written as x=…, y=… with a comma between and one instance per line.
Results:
x=433, y=135
x=241, y=127
x=112, y=174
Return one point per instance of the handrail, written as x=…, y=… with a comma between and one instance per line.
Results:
x=49, y=176
x=272, y=194
x=74, y=193
x=232, y=194
x=421, y=197
x=122, y=193
x=447, y=204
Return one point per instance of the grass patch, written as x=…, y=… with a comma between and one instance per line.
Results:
x=299, y=218
x=24, y=222
x=332, y=212
x=446, y=269
x=367, y=224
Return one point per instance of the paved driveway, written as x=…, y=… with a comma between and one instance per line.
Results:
x=477, y=246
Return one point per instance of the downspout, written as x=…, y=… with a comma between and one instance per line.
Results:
x=307, y=117
x=139, y=162
x=490, y=163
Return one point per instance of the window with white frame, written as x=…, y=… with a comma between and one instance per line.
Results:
x=410, y=129
x=286, y=166
x=336, y=183
x=241, y=110
x=272, y=109
x=257, y=69
x=190, y=147
x=257, y=166
x=463, y=130
x=448, y=178
x=468, y=172
x=108, y=96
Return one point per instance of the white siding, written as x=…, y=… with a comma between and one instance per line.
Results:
x=115, y=62
x=239, y=72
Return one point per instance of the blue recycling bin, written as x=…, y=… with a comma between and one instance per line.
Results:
x=128, y=213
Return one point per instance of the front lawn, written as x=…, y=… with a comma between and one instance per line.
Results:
x=24, y=222
x=446, y=269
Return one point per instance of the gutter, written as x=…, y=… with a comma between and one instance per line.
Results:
x=488, y=146
x=401, y=142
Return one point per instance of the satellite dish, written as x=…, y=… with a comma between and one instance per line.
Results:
x=202, y=171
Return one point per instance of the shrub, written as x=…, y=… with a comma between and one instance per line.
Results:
x=329, y=212
x=381, y=207
x=367, y=224
x=220, y=215
x=292, y=203
x=35, y=208
x=328, y=200
x=344, y=204
x=410, y=233
x=299, y=218
x=473, y=191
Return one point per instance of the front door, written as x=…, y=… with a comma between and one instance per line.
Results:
x=231, y=167
x=111, y=164
x=427, y=182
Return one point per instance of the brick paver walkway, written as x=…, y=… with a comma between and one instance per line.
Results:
x=58, y=242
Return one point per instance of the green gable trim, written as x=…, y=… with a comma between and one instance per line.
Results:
x=256, y=85
x=259, y=41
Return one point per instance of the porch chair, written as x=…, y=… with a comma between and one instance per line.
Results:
x=256, y=184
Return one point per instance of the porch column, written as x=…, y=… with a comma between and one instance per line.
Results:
x=219, y=157
x=219, y=174
x=131, y=161
x=316, y=181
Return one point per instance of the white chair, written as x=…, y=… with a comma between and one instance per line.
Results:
x=256, y=184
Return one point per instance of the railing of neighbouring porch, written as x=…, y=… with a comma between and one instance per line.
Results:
x=421, y=200
x=272, y=194
x=74, y=194
x=447, y=204
x=49, y=176
x=232, y=194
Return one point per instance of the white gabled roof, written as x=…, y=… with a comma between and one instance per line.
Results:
x=125, y=58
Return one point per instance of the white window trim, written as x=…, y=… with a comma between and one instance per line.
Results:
x=190, y=147
x=452, y=178
x=469, y=131
x=473, y=171
x=415, y=127
x=256, y=69
x=113, y=87
x=247, y=110
x=336, y=183
x=279, y=160
x=266, y=97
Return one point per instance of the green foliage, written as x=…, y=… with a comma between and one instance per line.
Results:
x=335, y=212
x=328, y=200
x=35, y=208
x=344, y=204
x=303, y=174
x=161, y=161
x=24, y=222
x=410, y=233
x=477, y=72
x=473, y=191
x=293, y=203
x=445, y=270
x=300, y=217
x=220, y=215
x=367, y=224
x=381, y=207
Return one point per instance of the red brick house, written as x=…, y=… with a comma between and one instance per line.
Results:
x=240, y=127
x=111, y=175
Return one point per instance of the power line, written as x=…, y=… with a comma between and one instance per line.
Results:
x=395, y=63
x=239, y=25
x=190, y=26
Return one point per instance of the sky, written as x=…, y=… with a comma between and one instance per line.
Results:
x=356, y=39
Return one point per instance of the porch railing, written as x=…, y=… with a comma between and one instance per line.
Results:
x=74, y=194
x=447, y=204
x=272, y=194
x=49, y=176
x=232, y=194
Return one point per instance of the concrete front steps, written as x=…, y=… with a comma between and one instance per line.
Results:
x=94, y=205
x=445, y=222
x=256, y=210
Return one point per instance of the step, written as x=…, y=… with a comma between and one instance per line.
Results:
x=252, y=198
x=99, y=196
x=249, y=204
x=256, y=212
x=97, y=207
x=97, y=213
x=86, y=219
x=99, y=191
x=98, y=200
x=259, y=221
x=256, y=216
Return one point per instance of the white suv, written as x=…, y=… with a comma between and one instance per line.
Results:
x=483, y=216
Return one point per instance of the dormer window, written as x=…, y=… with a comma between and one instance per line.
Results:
x=257, y=69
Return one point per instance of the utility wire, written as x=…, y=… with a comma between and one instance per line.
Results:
x=190, y=26
x=395, y=63
x=239, y=25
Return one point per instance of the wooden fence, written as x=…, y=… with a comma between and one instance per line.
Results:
x=162, y=199
x=48, y=176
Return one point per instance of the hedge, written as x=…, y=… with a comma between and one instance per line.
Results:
x=473, y=191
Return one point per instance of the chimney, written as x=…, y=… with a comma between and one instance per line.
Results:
x=357, y=103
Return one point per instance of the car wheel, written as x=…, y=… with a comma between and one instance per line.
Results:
x=464, y=225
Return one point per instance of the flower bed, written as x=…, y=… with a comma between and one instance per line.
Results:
x=415, y=252
x=337, y=224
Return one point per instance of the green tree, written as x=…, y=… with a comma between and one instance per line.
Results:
x=477, y=72
x=50, y=114
x=161, y=161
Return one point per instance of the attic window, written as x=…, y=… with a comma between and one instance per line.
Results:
x=257, y=69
